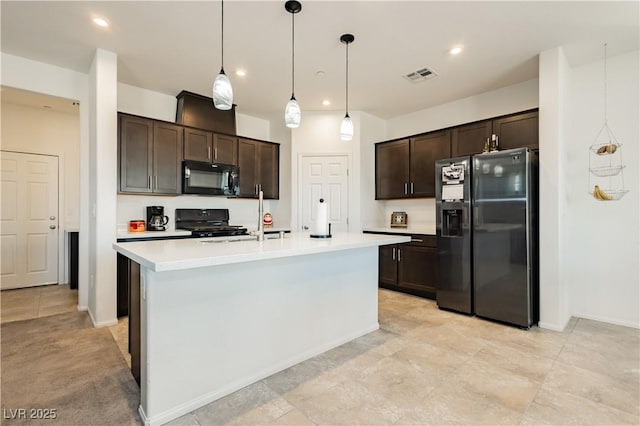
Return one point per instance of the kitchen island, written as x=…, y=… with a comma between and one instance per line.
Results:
x=217, y=316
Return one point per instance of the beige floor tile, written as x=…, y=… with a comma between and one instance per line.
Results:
x=447, y=336
x=620, y=365
x=532, y=366
x=456, y=404
x=67, y=298
x=432, y=360
x=551, y=407
x=597, y=387
x=348, y=403
x=535, y=341
x=46, y=311
x=293, y=418
x=506, y=388
x=264, y=414
x=399, y=324
x=186, y=420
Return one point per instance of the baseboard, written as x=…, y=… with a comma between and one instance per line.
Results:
x=608, y=320
x=82, y=308
x=205, y=399
x=551, y=326
x=100, y=324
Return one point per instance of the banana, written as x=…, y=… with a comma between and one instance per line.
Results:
x=600, y=194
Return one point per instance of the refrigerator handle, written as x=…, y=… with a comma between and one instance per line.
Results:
x=405, y=188
x=412, y=187
x=399, y=255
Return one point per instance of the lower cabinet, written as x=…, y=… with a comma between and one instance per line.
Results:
x=410, y=267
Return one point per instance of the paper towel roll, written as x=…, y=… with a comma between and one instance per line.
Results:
x=321, y=224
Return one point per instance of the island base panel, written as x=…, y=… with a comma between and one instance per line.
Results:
x=208, y=332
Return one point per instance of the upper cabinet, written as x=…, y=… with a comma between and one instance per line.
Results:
x=198, y=111
x=259, y=167
x=200, y=145
x=513, y=131
x=150, y=156
x=406, y=168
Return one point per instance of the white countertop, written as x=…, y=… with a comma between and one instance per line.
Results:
x=169, y=255
x=425, y=229
x=154, y=234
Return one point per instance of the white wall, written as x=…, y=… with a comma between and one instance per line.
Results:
x=25, y=74
x=602, y=238
x=554, y=134
x=421, y=212
x=41, y=131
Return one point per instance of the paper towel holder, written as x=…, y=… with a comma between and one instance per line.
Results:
x=328, y=229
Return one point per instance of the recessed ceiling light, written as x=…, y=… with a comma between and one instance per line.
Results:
x=320, y=73
x=46, y=106
x=455, y=50
x=101, y=22
x=241, y=73
x=326, y=102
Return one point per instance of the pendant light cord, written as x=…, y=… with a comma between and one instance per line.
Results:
x=222, y=38
x=347, y=79
x=293, y=54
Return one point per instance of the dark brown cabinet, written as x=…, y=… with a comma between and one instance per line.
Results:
x=198, y=111
x=516, y=131
x=425, y=150
x=259, y=164
x=150, y=154
x=406, y=168
x=200, y=145
x=392, y=169
x=470, y=138
x=513, y=131
x=410, y=267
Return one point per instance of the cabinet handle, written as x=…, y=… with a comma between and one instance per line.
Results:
x=215, y=153
x=393, y=253
x=156, y=178
x=416, y=240
x=405, y=188
x=412, y=187
x=209, y=152
x=255, y=189
x=399, y=255
x=149, y=182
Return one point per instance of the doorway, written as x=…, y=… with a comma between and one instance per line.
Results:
x=327, y=177
x=28, y=220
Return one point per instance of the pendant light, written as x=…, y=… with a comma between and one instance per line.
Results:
x=346, y=128
x=292, y=111
x=222, y=90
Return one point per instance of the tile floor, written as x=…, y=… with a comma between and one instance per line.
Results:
x=37, y=302
x=427, y=366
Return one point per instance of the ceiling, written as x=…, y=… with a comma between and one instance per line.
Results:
x=169, y=46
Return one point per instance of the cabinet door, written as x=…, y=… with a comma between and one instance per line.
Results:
x=136, y=153
x=387, y=265
x=167, y=158
x=247, y=165
x=392, y=169
x=225, y=149
x=517, y=130
x=425, y=151
x=470, y=138
x=417, y=269
x=268, y=169
x=197, y=145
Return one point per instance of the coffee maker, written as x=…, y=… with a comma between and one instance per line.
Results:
x=156, y=220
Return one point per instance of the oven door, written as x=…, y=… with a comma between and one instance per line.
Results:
x=209, y=179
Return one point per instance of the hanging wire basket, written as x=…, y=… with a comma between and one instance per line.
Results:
x=604, y=171
x=602, y=194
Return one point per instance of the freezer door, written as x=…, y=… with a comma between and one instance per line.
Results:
x=502, y=237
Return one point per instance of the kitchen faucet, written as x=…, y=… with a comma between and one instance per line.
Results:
x=260, y=231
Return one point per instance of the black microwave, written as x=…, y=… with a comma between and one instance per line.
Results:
x=203, y=178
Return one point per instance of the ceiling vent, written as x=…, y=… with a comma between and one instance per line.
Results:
x=420, y=75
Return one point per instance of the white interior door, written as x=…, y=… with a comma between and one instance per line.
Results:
x=325, y=177
x=28, y=220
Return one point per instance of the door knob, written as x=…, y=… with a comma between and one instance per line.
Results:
x=52, y=227
x=52, y=218
x=305, y=227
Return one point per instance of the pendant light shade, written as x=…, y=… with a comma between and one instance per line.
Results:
x=292, y=114
x=222, y=90
x=346, y=127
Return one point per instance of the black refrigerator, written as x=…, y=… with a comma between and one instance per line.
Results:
x=487, y=230
x=453, y=231
x=505, y=236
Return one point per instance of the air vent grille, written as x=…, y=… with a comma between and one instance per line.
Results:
x=424, y=73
